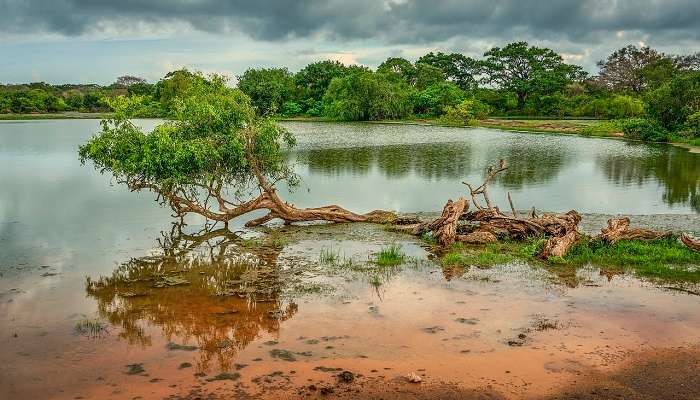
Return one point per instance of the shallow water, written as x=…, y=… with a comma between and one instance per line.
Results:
x=266, y=297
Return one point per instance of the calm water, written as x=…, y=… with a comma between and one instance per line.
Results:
x=51, y=207
x=61, y=222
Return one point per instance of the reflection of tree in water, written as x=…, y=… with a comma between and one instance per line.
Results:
x=212, y=288
x=428, y=160
x=677, y=170
x=529, y=163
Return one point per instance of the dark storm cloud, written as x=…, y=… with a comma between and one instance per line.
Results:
x=397, y=21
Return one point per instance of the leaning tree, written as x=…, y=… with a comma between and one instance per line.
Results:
x=216, y=158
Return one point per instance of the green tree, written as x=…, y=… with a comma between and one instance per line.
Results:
x=400, y=67
x=268, y=88
x=435, y=98
x=367, y=96
x=672, y=103
x=313, y=80
x=458, y=68
x=658, y=72
x=173, y=85
x=216, y=158
x=427, y=75
x=526, y=70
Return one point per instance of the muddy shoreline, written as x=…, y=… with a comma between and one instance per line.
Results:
x=275, y=314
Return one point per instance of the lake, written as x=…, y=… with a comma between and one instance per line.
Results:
x=75, y=246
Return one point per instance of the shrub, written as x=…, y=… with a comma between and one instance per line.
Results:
x=366, y=95
x=693, y=124
x=644, y=129
x=672, y=103
x=290, y=109
x=434, y=99
x=466, y=113
x=624, y=107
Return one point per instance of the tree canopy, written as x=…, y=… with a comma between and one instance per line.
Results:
x=526, y=70
x=268, y=88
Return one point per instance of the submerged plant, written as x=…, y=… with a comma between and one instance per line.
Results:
x=90, y=328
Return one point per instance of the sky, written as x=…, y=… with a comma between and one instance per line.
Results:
x=95, y=41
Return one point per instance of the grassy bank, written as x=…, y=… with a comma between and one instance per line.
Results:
x=663, y=260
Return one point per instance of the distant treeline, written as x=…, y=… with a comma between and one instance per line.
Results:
x=650, y=94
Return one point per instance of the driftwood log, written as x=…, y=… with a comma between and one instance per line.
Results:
x=485, y=224
x=619, y=229
x=692, y=244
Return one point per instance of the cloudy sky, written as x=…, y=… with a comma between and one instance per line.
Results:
x=79, y=41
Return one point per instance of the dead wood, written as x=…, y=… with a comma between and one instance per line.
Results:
x=619, y=229
x=478, y=237
x=692, y=244
x=559, y=246
x=444, y=228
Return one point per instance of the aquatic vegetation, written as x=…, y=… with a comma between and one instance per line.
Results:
x=391, y=255
x=375, y=281
x=329, y=256
x=90, y=327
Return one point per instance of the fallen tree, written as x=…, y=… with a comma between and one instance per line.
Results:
x=216, y=159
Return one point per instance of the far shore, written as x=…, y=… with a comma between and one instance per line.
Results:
x=518, y=124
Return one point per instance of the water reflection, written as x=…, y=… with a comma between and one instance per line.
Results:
x=437, y=161
x=210, y=289
x=678, y=171
x=427, y=160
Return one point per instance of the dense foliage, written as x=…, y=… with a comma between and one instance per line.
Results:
x=214, y=136
x=516, y=80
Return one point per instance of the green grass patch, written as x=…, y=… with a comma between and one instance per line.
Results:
x=663, y=259
x=605, y=128
x=481, y=256
x=391, y=255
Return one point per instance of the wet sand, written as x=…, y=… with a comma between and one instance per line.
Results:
x=274, y=320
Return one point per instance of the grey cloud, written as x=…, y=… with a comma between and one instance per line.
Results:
x=408, y=21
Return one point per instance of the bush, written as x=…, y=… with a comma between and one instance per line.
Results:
x=672, y=103
x=366, y=95
x=466, y=113
x=433, y=100
x=693, y=124
x=644, y=129
x=290, y=109
x=624, y=107
x=556, y=105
